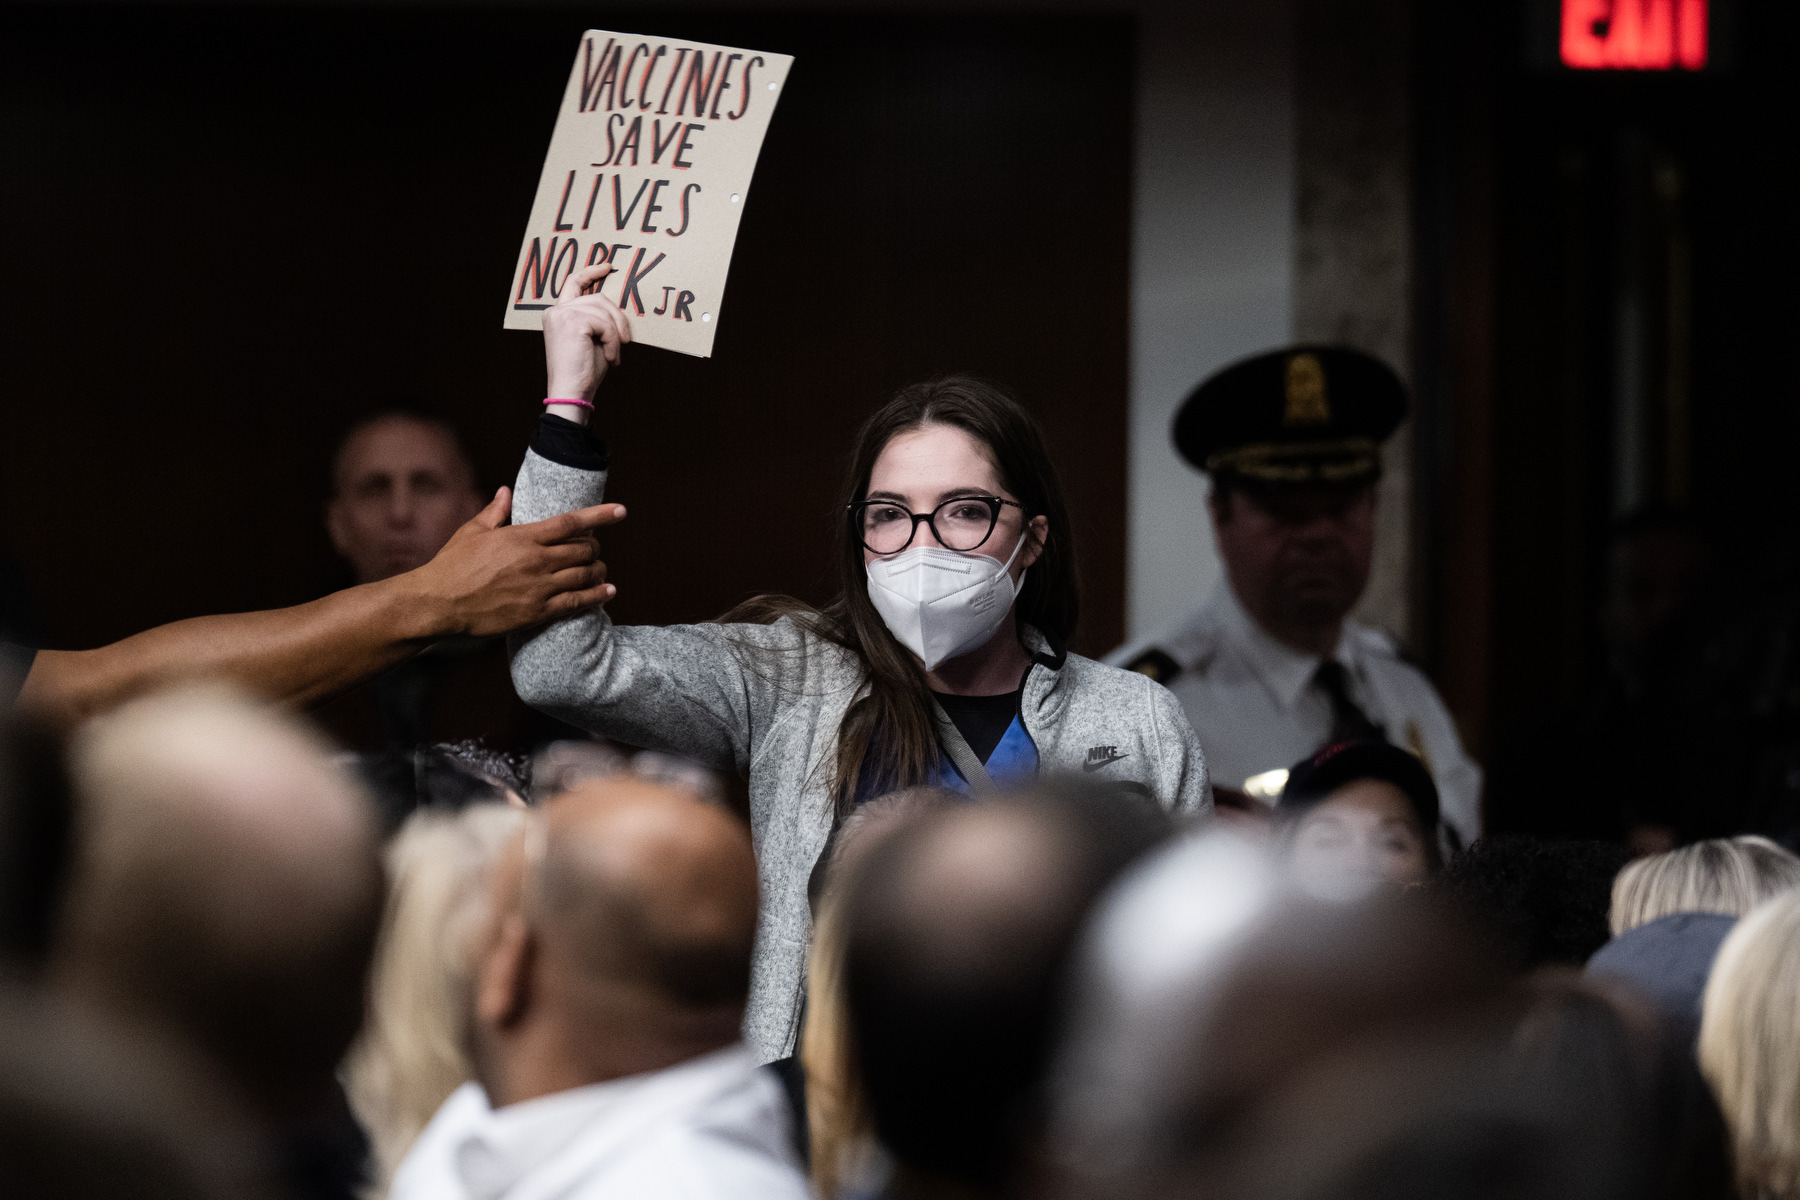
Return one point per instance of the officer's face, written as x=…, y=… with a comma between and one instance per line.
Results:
x=1298, y=558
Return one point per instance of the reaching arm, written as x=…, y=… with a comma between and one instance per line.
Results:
x=489, y=579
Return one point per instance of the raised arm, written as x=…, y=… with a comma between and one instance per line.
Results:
x=702, y=691
x=583, y=335
x=489, y=579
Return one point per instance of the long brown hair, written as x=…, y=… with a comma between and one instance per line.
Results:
x=889, y=734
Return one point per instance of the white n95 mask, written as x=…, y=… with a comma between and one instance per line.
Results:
x=938, y=603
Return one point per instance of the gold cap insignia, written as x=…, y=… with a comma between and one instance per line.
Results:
x=1306, y=400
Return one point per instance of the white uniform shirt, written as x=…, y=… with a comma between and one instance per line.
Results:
x=1255, y=707
x=715, y=1126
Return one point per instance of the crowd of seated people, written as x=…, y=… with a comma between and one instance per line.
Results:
x=856, y=921
x=533, y=984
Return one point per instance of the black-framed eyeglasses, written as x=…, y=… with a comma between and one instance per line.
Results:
x=963, y=523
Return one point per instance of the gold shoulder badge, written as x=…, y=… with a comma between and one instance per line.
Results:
x=1157, y=665
x=1307, y=403
x=1415, y=742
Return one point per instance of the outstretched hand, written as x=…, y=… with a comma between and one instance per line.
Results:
x=583, y=334
x=493, y=578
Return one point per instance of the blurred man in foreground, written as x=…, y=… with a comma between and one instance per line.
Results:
x=88, y=1115
x=956, y=929
x=610, y=986
x=226, y=890
x=1271, y=668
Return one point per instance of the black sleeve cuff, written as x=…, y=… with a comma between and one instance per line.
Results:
x=15, y=665
x=569, y=444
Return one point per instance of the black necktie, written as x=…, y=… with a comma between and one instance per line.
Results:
x=1348, y=722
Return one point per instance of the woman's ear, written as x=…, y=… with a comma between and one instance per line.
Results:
x=1037, y=535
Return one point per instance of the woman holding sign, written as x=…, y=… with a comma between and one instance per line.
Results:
x=942, y=661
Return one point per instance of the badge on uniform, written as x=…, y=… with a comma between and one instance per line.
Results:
x=1156, y=665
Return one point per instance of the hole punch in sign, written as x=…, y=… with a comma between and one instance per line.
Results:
x=649, y=169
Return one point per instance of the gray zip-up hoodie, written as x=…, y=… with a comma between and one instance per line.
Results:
x=767, y=700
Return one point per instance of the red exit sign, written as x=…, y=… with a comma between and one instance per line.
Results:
x=1634, y=35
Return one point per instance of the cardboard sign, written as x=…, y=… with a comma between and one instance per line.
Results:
x=649, y=169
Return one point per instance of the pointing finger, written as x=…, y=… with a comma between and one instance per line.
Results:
x=574, y=524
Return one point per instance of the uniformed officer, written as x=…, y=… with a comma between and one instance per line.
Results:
x=1270, y=668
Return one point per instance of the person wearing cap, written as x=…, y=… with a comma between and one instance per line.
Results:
x=1271, y=668
x=1359, y=811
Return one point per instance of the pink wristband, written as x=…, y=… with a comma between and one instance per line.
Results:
x=587, y=404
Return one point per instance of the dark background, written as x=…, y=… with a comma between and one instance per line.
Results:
x=225, y=232
x=1547, y=200
x=1600, y=250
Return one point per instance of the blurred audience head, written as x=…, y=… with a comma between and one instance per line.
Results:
x=226, y=890
x=1750, y=1046
x=1557, y=1091
x=89, y=1114
x=956, y=929
x=1618, y=1083
x=401, y=484
x=1357, y=814
x=837, y=1117
x=413, y=1049
x=1288, y=1048
x=861, y=830
x=1310, y=978
x=1206, y=985
x=1157, y=942
x=1729, y=876
x=617, y=940
x=1537, y=902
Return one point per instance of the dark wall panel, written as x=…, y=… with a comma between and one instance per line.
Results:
x=225, y=231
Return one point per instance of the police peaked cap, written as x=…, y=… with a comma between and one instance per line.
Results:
x=1303, y=415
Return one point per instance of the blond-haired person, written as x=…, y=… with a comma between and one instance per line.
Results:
x=1750, y=1046
x=413, y=1048
x=1729, y=876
